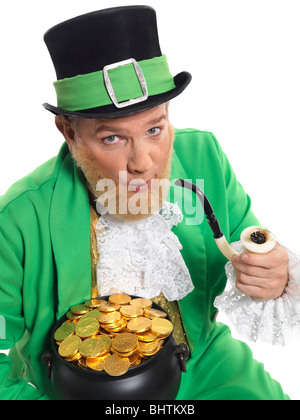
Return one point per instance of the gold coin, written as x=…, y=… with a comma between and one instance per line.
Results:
x=141, y=303
x=120, y=299
x=92, y=314
x=162, y=337
x=74, y=358
x=137, y=362
x=147, y=356
x=116, y=327
x=69, y=347
x=79, y=309
x=87, y=327
x=64, y=331
x=131, y=311
x=116, y=333
x=96, y=363
x=108, y=327
x=109, y=318
x=134, y=358
x=72, y=317
x=146, y=336
x=105, y=340
x=94, y=303
x=110, y=307
x=125, y=354
x=139, y=324
x=115, y=365
x=124, y=343
x=148, y=348
x=105, y=332
x=154, y=313
x=92, y=347
x=161, y=327
x=82, y=362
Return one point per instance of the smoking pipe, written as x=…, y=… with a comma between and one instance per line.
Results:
x=255, y=238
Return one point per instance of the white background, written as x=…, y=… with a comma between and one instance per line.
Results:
x=243, y=56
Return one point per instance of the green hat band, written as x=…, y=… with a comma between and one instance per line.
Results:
x=89, y=90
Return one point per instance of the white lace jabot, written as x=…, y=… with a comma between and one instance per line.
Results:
x=142, y=258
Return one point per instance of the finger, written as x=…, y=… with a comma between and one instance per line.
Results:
x=251, y=270
x=256, y=293
x=266, y=261
x=250, y=280
x=270, y=260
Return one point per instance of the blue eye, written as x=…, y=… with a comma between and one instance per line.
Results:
x=111, y=139
x=154, y=131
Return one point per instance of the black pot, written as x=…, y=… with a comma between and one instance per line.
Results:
x=156, y=379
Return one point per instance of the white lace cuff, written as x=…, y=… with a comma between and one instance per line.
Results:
x=276, y=321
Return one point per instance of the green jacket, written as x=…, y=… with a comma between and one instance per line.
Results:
x=45, y=255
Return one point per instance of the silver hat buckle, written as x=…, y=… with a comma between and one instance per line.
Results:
x=141, y=79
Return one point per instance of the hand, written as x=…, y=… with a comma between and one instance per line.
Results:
x=262, y=276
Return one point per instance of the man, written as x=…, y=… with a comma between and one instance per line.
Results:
x=114, y=117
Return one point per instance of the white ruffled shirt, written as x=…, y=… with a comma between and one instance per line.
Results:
x=275, y=321
x=142, y=258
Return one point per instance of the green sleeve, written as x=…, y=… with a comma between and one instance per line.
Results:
x=12, y=325
x=240, y=215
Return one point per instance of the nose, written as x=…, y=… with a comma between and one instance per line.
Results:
x=139, y=161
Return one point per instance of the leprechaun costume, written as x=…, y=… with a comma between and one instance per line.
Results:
x=47, y=223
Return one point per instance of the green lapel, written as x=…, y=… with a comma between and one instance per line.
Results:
x=70, y=235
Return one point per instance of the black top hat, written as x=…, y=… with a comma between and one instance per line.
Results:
x=109, y=63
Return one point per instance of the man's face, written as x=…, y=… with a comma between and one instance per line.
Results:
x=134, y=153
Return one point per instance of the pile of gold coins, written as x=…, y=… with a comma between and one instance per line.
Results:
x=112, y=335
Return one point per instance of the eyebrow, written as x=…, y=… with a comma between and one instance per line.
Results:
x=157, y=120
x=104, y=127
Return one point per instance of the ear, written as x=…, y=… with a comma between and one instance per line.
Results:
x=65, y=127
